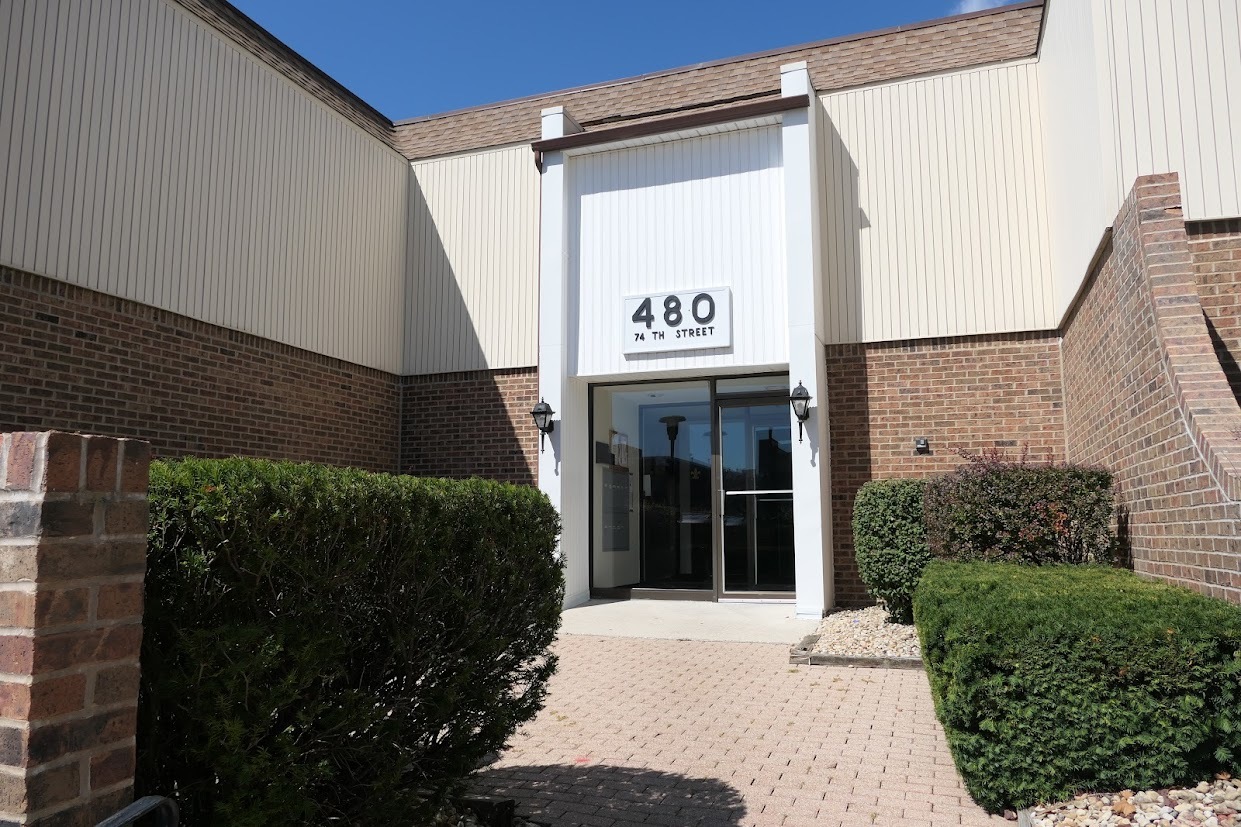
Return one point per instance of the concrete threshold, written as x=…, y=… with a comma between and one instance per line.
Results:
x=688, y=620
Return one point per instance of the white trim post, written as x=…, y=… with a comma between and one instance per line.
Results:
x=555, y=463
x=812, y=518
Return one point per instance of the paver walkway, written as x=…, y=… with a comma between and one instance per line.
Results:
x=685, y=733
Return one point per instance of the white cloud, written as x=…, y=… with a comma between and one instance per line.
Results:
x=964, y=6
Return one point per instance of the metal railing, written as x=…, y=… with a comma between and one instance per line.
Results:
x=163, y=811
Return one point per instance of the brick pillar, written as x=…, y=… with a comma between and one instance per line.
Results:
x=73, y=523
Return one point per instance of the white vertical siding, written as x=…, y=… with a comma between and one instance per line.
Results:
x=145, y=156
x=474, y=261
x=935, y=214
x=692, y=213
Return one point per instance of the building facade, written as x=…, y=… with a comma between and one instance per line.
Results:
x=1017, y=229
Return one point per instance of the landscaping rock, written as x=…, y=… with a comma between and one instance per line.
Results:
x=1209, y=804
x=865, y=633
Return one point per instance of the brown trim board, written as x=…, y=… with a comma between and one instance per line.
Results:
x=694, y=120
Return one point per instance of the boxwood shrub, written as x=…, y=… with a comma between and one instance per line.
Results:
x=889, y=541
x=326, y=645
x=993, y=508
x=1060, y=679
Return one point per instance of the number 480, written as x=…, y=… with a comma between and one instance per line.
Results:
x=672, y=310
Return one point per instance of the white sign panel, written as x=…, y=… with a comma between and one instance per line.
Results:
x=685, y=320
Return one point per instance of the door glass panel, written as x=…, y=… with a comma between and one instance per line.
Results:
x=652, y=486
x=756, y=454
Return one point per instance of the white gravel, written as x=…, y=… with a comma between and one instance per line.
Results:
x=866, y=633
x=1210, y=804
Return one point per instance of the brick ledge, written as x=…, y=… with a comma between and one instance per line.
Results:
x=1207, y=405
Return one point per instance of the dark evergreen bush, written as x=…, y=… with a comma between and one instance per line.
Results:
x=325, y=645
x=993, y=508
x=1059, y=679
x=889, y=541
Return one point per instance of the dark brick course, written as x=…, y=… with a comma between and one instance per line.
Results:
x=188, y=387
x=472, y=424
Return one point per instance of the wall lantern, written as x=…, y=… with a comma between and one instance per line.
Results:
x=800, y=400
x=542, y=414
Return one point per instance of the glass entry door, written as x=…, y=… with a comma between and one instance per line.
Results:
x=652, y=459
x=692, y=489
x=756, y=520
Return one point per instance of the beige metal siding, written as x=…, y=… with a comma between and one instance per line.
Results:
x=144, y=156
x=1176, y=72
x=475, y=262
x=935, y=219
x=1131, y=88
x=1072, y=86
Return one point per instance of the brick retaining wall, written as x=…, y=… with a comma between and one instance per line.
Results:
x=1145, y=396
x=73, y=531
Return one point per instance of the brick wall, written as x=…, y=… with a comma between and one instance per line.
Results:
x=1216, y=250
x=472, y=424
x=1145, y=396
x=73, y=524
x=964, y=394
x=77, y=360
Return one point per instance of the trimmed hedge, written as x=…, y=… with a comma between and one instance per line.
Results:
x=325, y=645
x=889, y=542
x=1054, y=680
x=997, y=509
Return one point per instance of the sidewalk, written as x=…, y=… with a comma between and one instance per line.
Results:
x=682, y=733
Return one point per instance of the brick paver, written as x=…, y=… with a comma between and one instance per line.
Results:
x=683, y=733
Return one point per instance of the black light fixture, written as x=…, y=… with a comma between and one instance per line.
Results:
x=673, y=424
x=800, y=400
x=542, y=414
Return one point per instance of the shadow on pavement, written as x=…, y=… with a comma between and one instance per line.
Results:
x=568, y=794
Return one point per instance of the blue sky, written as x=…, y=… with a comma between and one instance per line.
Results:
x=411, y=57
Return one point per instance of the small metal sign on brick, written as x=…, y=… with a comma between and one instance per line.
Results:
x=684, y=320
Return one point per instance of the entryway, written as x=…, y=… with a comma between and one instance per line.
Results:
x=692, y=490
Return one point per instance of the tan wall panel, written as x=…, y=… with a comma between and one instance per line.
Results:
x=1176, y=69
x=935, y=214
x=1072, y=85
x=1132, y=88
x=474, y=252
x=147, y=157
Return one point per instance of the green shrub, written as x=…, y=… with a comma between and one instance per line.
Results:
x=889, y=542
x=326, y=645
x=1054, y=680
x=1020, y=512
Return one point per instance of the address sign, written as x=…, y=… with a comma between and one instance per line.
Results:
x=687, y=320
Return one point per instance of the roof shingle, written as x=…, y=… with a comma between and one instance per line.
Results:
x=1008, y=33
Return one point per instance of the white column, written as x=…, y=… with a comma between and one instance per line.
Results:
x=561, y=474
x=812, y=523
